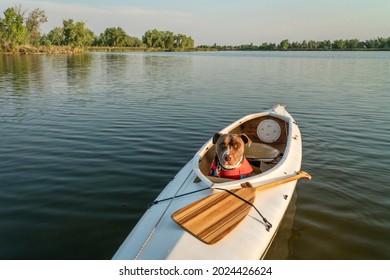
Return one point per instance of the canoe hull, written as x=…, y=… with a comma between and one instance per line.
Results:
x=157, y=236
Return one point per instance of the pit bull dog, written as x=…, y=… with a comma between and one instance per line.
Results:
x=229, y=161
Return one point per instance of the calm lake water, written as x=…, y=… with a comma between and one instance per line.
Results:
x=87, y=141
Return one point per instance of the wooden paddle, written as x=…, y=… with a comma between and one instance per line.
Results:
x=211, y=218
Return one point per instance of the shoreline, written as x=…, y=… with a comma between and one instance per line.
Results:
x=167, y=51
x=29, y=50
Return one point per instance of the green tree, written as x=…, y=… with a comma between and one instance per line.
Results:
x=153, y=39
x=267, y=46
x=312, y=45
x=295, y=46
x=380, y=43
x=76, y=34
x=387, y=43
x=169, y=39
x=44, y=40
x=284, y=44
x=33, y=24
x=157, y=39
x=56, y=36
x=113, y=37
x=304, y=45
x=133, y=42
x=352, y=44
x=147, y=38
x=13, y=32
x=339, y=44
x=325, y=45
x=184, y=42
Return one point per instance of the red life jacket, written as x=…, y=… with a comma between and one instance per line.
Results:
x=243, y=171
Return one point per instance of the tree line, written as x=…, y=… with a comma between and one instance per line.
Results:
x=20, y=32
x=325, y=45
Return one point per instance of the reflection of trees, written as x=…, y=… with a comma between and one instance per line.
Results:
x=78, y=68
x=21, y=71
x=118, y=65
x=166, y=69
x=163, y=73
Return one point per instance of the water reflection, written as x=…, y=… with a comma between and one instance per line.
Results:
x=78, y=68
x=281, y=247
x=18, y=72
x=176, y=69
x=168, y=74
x=21, y=74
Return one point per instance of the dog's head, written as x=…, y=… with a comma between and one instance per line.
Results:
x=230, y=148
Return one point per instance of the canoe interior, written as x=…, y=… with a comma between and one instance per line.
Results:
x=256, y=150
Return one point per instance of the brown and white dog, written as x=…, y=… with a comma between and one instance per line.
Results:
x=229, y=161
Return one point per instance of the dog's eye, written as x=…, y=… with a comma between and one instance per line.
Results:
x=236, y=145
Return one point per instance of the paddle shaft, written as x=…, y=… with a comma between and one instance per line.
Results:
x=299, y=175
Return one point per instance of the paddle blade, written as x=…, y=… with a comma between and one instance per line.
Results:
x=212, y=218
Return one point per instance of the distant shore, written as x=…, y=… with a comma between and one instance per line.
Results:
x=20, y=34
x=214, y=49
x=25, y=50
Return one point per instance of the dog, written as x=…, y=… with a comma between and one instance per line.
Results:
x=229, y=161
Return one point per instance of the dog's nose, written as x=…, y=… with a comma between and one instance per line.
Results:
x=228, y=157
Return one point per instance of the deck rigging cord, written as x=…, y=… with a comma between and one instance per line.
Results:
x=176, y=196
x=268, y=225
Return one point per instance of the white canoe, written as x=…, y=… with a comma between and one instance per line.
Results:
x=276, y=152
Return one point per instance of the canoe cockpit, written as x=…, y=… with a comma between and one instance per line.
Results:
x=269, y=137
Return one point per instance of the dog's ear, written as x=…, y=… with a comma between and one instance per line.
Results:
x=246, y=139
x=215, y=137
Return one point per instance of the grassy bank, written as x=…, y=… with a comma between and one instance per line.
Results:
x=137, y=49
x=28, y=49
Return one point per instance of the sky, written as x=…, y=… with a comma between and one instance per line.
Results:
x=224, y=22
